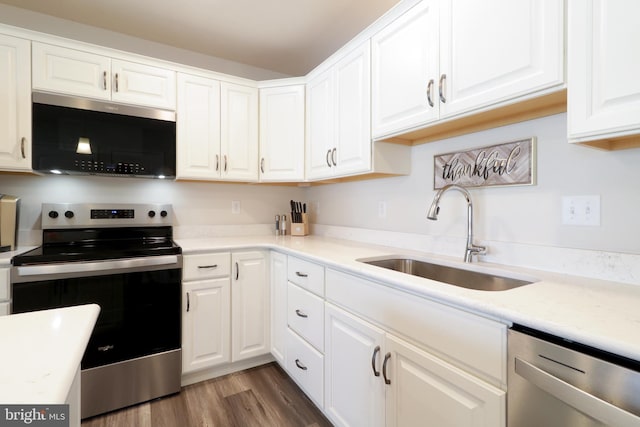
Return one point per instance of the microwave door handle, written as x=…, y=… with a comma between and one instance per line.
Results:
x=581, y=400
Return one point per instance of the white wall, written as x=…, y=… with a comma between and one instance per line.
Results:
x=524, y=214
x=198, y=206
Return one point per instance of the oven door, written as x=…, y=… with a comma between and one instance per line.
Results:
x=140, y=304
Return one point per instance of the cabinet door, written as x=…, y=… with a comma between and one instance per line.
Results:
x=320, y=127
x=198, y=128
x=282, y=133
x=278, y=273
x=15, y=104
x=353, y=112
x=250, y=299
x=423, y=387
x=405, y=71
x=70, y=71
x=354, y=395
x=603, y=68
x=205, y=324
x=239, y=132
x=143, y=85
x=495, y=50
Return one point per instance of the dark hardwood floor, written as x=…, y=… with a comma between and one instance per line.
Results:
x=261, y=397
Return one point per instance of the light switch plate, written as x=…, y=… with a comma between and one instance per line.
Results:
x=581, y=210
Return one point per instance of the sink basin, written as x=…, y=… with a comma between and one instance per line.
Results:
x=451, y=275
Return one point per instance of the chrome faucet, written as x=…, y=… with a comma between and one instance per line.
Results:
x=435, y=209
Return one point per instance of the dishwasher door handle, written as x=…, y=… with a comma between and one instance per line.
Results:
x=579, y=399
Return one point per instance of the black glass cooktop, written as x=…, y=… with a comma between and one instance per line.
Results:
x=100, y=244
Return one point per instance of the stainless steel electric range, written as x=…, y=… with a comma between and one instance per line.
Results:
x=123, y=258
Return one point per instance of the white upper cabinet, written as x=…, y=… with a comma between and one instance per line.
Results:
x=15, y=104
x=74, y=72
x=217, y=130
x=447, y=58
x=338, y=139
x=405, y=71
x=282, y=133
x=496, y=50
x=603, y=69
x=198, y=128
x=239, y=132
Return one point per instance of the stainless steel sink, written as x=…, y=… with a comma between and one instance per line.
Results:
x=451, y=275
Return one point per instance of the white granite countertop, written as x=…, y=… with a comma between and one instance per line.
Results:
x=599, y=313
x=41, y=353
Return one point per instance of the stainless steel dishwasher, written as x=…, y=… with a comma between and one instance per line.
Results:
x=554, y=382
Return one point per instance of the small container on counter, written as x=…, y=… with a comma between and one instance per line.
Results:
x=283, y=225
x=277, y=225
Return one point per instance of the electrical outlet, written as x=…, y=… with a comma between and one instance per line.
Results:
x=382, y=209
x=235, y=206
x=581, y=210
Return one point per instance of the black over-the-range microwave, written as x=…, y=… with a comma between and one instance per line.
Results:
x=73, y=135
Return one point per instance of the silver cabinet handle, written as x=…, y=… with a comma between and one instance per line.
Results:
x=441, y=88
x=384, y=368
x=237, y=271
x=300, y=365
x=208, y=266
x=430, y=92
x=188, y=302
x=301, y=314
x=104, y=80
x=299, y=274
x=581, y=400
x=373, y=361
x=225, y=162
x=333, y=156
x=262, y=165
x=327, y=158
x=217, y=162
x=23, y=142
x=116, y=84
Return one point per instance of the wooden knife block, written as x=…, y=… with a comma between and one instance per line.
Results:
x=300, y=228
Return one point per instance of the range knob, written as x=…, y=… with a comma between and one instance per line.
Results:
x=69, y=214
x=152, y=214
x=53, y=214
x=163, y=214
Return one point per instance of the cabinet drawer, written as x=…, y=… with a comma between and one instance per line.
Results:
x=471, y=342
x=305, y=315
x=306, y=274
x=306, y=367
x=206, y=266
x=4, y=284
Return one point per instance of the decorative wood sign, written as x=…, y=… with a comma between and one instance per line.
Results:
x=512, y=163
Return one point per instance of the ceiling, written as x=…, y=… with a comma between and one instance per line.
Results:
x=287, y=36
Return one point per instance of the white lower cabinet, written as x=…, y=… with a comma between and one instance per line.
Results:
x=278, y=273
x=354, y=394
x=206, y=301
x=305, y=365
x=250, y=299
x=205, y=324
x=375, y=377
x=423, y=387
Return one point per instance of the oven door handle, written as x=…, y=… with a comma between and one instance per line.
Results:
x=94, y=266
x=581, y=400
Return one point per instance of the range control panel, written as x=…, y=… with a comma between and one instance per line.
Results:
x=83, y=215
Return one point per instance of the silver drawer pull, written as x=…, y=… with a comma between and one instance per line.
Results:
x=300, y=365
x=208, y=266
x=301, y=274
x=106, y=347
x=373, y=361
x=301, y=314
